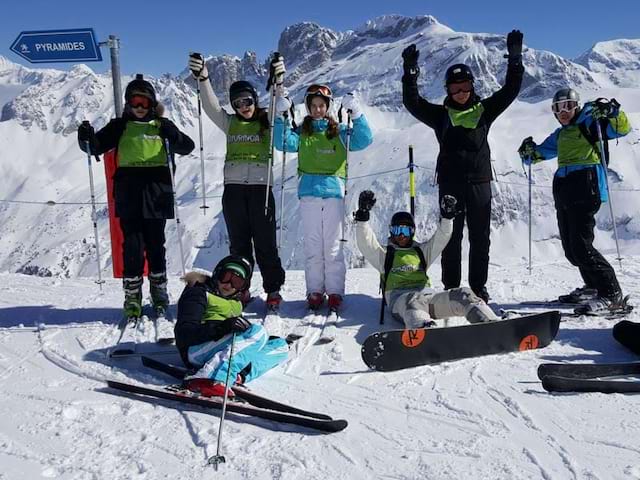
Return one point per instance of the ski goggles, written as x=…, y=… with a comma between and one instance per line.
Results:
x=321, y=90
x=236, y=281
x=139, y=101
x=564, y=106
x=239, y=103
x=405, y=230
x=464, y=87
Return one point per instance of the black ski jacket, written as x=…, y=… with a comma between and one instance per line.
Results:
x=140, y=192
x=464, y=152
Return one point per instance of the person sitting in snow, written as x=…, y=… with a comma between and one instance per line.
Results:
x=403, y=265
x=210, y=320
x=579, y=188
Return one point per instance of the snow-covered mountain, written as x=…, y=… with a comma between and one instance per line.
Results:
x=42, y=163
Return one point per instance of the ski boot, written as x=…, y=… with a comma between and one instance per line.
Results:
x=132, y=298
x=159, y=294
x=579, y=295
x=482, y=293
x=274, y=299
x=207, y=388
x=335, y=302
x=315, y=300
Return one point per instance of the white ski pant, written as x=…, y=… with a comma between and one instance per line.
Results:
x=419, y=307
x=324, y=267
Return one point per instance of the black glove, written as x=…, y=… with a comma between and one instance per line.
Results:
x=527, y=151
x=514, y=47
x=236, y=325
x=366, y=201
x=410, y=56
x=603, y=108
x=448, y=206
x=169, y=131
x=86, y=133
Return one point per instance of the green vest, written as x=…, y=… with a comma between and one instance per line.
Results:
x=245, y=143
x=575, y=149
x=468, y=118
x=219, y=308
x=141, y=145
x=406, y=272
x=319, y=155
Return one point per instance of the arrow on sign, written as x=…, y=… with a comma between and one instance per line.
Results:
x=45, y=46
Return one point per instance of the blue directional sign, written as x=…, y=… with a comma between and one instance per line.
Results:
x=45, y=46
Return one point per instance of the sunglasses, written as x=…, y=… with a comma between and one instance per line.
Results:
x=236, y=281
x=239, y=103
x=319, y=90
x=564, y=106
x=397, y=230
x=138, y=101
x=465, y=87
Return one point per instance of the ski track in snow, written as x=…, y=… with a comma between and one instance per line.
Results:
x=475, y=418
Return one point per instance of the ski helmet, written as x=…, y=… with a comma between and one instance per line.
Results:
x=458, y=73
x=237, y=89
x=238, y=265
x=402, y=223
x=563, y=98
x=316, y=90
x=140, y=86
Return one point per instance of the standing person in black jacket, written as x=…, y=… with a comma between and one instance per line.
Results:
x=141, y=188
x=461, y=126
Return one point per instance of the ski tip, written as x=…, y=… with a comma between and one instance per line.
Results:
x=338, y=425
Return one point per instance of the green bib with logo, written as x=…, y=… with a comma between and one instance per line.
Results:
x=575, y=149
x=141, y=145
x=406, y=271
x=319, y=155
x=219, y=308
x=245, y=143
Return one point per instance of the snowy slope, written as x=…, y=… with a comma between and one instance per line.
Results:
x=477, y=418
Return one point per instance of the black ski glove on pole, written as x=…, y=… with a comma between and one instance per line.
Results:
x=86, y=133
x=448, y=207
x=514, y=47
x=366, y=201
x=410, y=57
x=236, y=324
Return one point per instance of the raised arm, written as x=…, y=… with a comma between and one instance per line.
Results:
x=210, y=103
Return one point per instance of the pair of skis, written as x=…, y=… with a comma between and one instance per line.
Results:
x=328, y=325
x=603, y=377
x=163, y=333
x=249, y=403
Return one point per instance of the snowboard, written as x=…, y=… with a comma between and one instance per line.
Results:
x=399, y=349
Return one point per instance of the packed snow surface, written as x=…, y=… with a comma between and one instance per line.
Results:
x=478, y=418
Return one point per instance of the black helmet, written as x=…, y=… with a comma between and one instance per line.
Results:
x=402, y=218
x=237, y=264
x=140, y=86
x=458, y=73
x=566, y=94
x=242, y=86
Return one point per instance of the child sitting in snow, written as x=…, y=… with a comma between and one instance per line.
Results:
x=210, y=319
x=404, y=262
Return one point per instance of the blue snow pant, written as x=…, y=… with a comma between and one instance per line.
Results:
x=252, y=346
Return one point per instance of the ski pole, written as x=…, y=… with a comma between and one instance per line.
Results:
x=217, y=458
x=412, y=183
x=175, y=203
x=530, y=220
x=284, y=160
x=346, y=174
x=94, y=213
x=271, y=86
x=606, y=179
x=204, y=189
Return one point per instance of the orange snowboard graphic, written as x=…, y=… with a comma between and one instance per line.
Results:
x=529, y=342
x=413, y=338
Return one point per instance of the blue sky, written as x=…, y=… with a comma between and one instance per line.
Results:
x=156, y=36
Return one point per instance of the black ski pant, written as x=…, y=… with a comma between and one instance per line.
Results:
x=577, y=200
x=143, y=237
x=250, y=229
x=474, y=205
